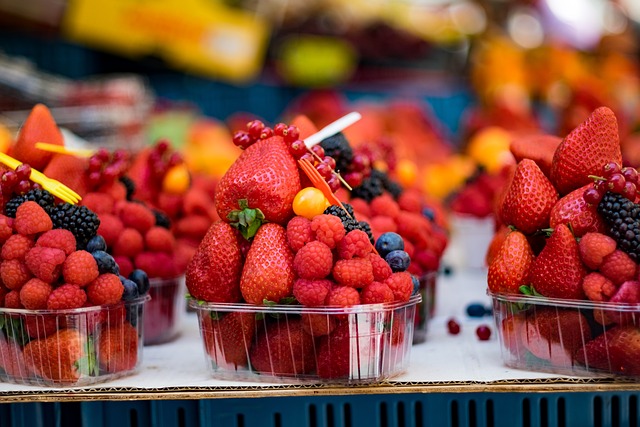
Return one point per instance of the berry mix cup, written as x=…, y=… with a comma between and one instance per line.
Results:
x=354, y=345
x=426, y=307
x=165, y=311
x=76, y=347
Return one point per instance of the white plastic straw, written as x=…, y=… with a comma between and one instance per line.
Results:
x=332, y=128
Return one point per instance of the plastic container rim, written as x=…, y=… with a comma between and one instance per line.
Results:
x=564, y=303
x=72, y=311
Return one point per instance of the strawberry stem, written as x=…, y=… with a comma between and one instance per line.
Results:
x=245, y=219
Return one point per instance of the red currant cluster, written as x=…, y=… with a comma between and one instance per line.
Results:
x=16, y=182
x=105, y=168
x=256, y=130
x=359, y=169
x=161, y=159
x=618, y=180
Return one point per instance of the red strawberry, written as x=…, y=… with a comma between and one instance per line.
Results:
x=334, y=353
x=512, y=335
x=268, y=269
x=572, y=209
x=528, y=201
x=496, y=243
x=38, y=127
x=266, y=175
x=553, y=334
x=510, y=268
x=214, y=272
x=585, y=150
x=617, y=351
x=228, y=339
x=57, y=357
x=117, y=349
x=283, y=348
x=69, y=170
x=538, y=147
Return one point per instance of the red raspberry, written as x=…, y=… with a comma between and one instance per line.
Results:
x=313, y=261
x=594, y=247
x=130, y=243
x=597, y=287
x=328, y=229
x=16, y=247
x=45, y=263
x=156, y=264
x=196, y=202
x=384, y=205
x=376, y=293
x=115, y=189
x=343, y=296
x=159, y=239
x=311, y=293
x=6, y=227
x=427, y=260
x=136, y=215
x=12, y=299
x=383, y=224
x=31, y=219
x=355, y=244
x=618, y=267
x=401, y=285
x=39, y=326
x=360, y=206
x=66, y=296
x=110, y=228
x=355, y=273
x=80, y=268
x=58, y=238
x=100, y=203
x=124, y=264
x=317, y=324
x=3, y=293
x=14, y=273
x=410, y=200
x=415, y=228
x=34, y=294
x=299, y=233
x=193, y=226
x=381, y=269
x=409, y=248
x=106, y=289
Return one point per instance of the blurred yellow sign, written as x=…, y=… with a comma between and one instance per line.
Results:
x=200, y=36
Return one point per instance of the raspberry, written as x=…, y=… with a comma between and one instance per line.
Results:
x=80, y=268
x=376, y=293
x=355, y=244
x=313, y=261
x=618, y=267
x=12, y=299
x=194, y=226
x=410, y=200
x=16, y=247
x=3, y=293
x=6, y=227
x=100, y=203
x=401, y=285
x=383, y=224
x=106, y=289
x=32, y=219
x=45, y=263
x=384, y=205
x=427, y=260
x=381, y=270
x=159, y=239
x=110, y=228
x=597, y=287
x=66, y=297
x=594, y=247
x=156, y=264
x=39, y=327
x=343, y=296
x=136, y=215
x=124, y=264
x=311, y=293
x=14, y=273
x=58, y=238
x=318, y=325
x=34, y=294
x=328, y=229
x=355, y=273
x=130, y=243
x=361, y=208
x=299, y=232
x=117, y=190
x=414, y=227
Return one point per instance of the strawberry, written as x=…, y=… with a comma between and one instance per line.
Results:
x=118, y=348
x=228, y=339
x=557, y=272
x=585, y=150
x=334, y=353
x=38, y=127
x=268, y=270
x=213, y=274
x=529, y=199
x=496, y=243
x=266, y=175
x=57, y=357
x=11, y=359
x=537, y=147
x=510, y=268
x=554, y=334
x=572, y=209
x=617, y=350
x=69, y=170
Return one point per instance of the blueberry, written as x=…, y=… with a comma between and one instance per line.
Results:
x=134, y=313
x=388, y=242
x=429, y=214
x=416, y=284
x=140, y=278
x=96, y=243
x=398, y=260
x=476, y=310
x=130, y=290
x=106, y=263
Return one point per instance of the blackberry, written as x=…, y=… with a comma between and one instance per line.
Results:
x=371, y=187
x=337, y=211
x=42, y=197
x=364, y=226
x=162, y=220
x=623, y=218
x=129, y=185
x=349, y=223
x=80, y=220
x=338, y=147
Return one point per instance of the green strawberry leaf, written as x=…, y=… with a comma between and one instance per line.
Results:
x=187, y=295
x=2, y=321
x=289, y=301
x=260, y=316
x=268, y=303
x=215, y=315
x=88, y=364
x=15, y=330
x=246, y=219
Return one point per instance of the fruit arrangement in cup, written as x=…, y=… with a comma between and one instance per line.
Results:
x=565, y=279
x=289, y=273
